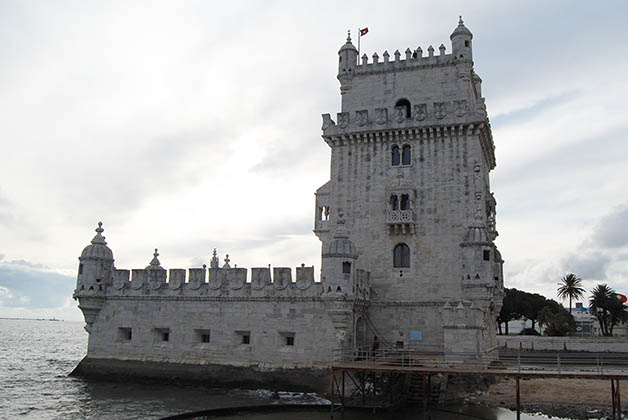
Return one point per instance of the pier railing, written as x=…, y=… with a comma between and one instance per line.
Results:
x=512, y=360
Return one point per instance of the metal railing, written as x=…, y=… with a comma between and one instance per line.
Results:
x=514, y=360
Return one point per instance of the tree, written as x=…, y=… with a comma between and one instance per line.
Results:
x=508, y=311
x=570, y=287
x=607, y=308
x=556, y=320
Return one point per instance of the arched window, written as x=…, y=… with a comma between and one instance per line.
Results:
x=406, y=104
x=346, y=267
x=394, y=202
x=405, y=155
x=405, y=202
x=395, y=156
x=401, y=256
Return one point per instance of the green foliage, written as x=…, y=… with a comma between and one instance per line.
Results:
x=607, y=308
x=570, y=288
x=518, y=304
x=556, y=320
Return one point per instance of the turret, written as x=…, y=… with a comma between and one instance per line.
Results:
x=94, y=274
x=347, y=62
x=338, y=264
x=461, y=39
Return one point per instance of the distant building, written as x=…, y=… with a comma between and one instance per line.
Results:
x=406, y=221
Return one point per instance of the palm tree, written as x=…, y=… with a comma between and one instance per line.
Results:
x=607, y=308
x=570, y=287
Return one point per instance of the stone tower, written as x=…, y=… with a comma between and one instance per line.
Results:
x=411, y=153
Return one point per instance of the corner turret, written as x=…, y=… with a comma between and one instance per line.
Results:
x=95, y=271
x=461, y=39
x=347, y=62
x=338, y=264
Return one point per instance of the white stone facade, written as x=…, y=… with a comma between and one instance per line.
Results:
x=407, y=223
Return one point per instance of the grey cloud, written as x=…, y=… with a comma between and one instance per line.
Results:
x=612, y=230
x=544, y=105
x=34, y=289
x=587, y=265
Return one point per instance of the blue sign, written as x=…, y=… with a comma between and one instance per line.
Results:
x=416, y=335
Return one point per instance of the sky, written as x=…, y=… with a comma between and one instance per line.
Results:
x=194, y=125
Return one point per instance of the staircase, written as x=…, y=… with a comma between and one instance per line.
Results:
x=416, y=392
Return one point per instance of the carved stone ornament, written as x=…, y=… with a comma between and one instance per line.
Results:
x=343, y=119
x=118, y=284
x=420, y=112
x=363, y=117
x=381, y=115
x=154, y=284
x=460, y=107
x=400, y=114
x=440, y=110
x=327, y=121
x=137, y=283
x=175, y=282
x=194, y=285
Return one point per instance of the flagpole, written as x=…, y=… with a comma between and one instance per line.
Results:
x=359, y=36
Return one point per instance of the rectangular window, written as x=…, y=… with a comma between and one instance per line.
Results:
x=487, y=255
x=287, y=337
x=162, y=334
x=246, y=339
x=125, y=334
x=203, y=336
x=80, y=269
x=290, y=340
x=399, y=344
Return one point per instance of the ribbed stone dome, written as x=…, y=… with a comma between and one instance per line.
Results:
x=155, y=264
x=476, y=235
x=98, y=248
x=461, y=30
x=348, y=45
x=340, y=246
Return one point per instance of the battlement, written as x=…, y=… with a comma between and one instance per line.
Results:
x=412, y=59
x=456, y=113
x=229, y=283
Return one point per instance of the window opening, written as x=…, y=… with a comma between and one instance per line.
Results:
x=80, y=269
x=405, y=201
x=290, y=340
x=405, y=155
x=203, y=336
x=125, y=334
x=395, y=156
x=487, y=255
x=466, y=43
x=406, y=104
x=401, y=256
x=394, y=202
x=246, y=339
x=346, y=267
x=324, y=213
x=399, y=344
x=165, y=336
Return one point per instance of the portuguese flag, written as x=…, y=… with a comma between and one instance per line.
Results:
x=364, y=31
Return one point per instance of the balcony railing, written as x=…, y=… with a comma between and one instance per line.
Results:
x=400, y=216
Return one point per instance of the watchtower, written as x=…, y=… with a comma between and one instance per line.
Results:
x=411, y=153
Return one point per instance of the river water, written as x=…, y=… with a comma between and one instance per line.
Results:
x=37, y=356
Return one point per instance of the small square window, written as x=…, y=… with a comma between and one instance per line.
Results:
x=125, y=334
x=162, y=334
x=290, y=340
x=399, y=344
x=203, y=336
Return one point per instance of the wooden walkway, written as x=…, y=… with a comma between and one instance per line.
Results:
x=359, y=371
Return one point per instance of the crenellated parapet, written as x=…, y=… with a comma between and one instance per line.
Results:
x=453, y=112
x=216, y=282
x=409, y=60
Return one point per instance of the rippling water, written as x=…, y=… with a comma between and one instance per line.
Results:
x=36, y=358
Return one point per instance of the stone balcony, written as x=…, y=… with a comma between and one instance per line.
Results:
x=400, y=222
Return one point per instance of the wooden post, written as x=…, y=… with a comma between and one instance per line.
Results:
x=618, y=400
x=613, y=397
x=517, y=398
x=342, y=396
x=333, y=379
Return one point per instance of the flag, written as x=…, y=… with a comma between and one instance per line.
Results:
x=364, y=31
x=621, y=297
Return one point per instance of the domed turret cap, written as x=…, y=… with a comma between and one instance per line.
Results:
x=477, y=235
x=348, y=45
x=461, y=30
x=98, y=249
x=341, y=245
x=154, y=263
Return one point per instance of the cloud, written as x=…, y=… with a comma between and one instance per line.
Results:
x=25, y=285
x=611, y=231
